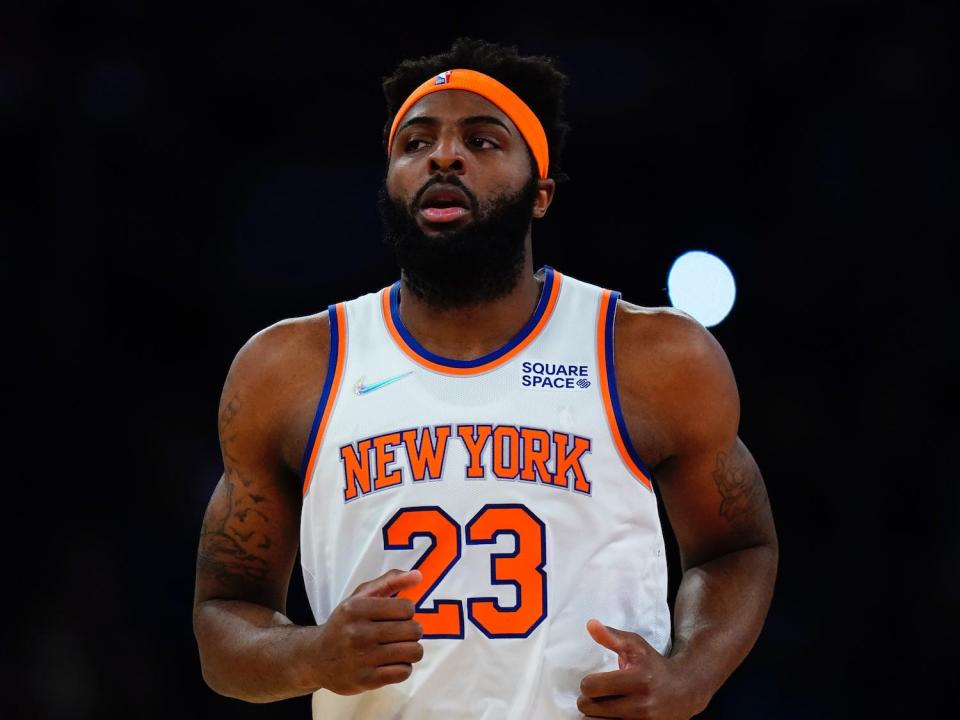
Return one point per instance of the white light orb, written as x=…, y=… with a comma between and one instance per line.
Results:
x=701, y=284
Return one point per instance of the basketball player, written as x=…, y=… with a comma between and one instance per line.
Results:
x=466, y=458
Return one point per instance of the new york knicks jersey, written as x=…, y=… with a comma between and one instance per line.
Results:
x=509, y=481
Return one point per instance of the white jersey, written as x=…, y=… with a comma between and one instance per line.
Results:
x=509, y=481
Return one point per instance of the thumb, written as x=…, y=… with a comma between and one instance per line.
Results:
x=610, y=638
x=629, y=647
x=389, y=584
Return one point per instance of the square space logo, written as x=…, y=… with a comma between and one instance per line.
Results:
x=538, y=375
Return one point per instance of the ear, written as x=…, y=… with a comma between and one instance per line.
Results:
x=546, y=189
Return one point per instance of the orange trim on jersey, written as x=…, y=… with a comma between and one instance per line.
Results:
x=475, y=370
x=334, y=390
x=607, y=380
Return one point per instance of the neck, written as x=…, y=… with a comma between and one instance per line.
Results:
x=466, y=333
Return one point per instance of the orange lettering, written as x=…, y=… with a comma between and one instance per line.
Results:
x=535, y=458
x=356, y=469
x=475, y=439
x=385, y=456
x=506, y=463
x=567, y=462
x=427, y=456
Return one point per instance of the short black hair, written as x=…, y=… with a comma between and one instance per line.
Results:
x=533, y=78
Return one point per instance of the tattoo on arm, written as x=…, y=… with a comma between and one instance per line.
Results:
x=232, y=535
x=230, y=411
x=741, y=487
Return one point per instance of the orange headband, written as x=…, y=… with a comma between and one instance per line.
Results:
x=494, y=91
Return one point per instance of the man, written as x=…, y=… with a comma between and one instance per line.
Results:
x=467, y=460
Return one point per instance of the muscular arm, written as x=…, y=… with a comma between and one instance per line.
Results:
x=248, y=543
x=249, y=649
x=713, y=493
x=726, y=590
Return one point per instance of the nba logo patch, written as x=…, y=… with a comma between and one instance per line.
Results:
x=443, y=78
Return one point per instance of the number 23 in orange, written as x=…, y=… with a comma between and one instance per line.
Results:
x=522, y=568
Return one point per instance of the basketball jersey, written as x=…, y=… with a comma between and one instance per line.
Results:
x=509, y=481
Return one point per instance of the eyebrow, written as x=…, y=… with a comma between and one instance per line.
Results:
x=472, y=120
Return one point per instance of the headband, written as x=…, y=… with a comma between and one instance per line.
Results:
x=494, y=91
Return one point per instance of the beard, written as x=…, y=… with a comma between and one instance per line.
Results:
x=477, y=263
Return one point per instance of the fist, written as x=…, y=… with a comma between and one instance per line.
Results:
x=371, y=638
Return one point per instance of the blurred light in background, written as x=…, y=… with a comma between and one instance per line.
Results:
x=702, y=285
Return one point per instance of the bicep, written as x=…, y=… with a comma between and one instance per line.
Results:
x=248, y=542
x=709, y=482
x=716, y=501
x=250, y=534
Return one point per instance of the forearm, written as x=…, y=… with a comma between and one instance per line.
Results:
x=250, y=652
x=720, y=609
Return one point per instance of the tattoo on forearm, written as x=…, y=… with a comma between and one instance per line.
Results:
x=229, y=546
x=741, y=487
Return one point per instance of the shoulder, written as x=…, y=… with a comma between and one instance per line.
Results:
x=669, y=335
x=273, y=385
x=672, y=369
x=276, y=351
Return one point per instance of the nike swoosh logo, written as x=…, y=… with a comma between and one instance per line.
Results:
x=361, y=389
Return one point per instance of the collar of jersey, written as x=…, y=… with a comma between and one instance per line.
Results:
x=390, y=301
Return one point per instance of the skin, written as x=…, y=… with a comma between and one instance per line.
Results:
x=489, y=159
x=681, y=407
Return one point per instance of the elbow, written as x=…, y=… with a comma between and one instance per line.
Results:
x=225, y=670
x=772, y=546
x=218, y=678
x=211, y=657
x=212, y=678
x=764, y=558
x=771, y=550
x=212, y=674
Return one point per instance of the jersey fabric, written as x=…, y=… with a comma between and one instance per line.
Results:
x=509, y=481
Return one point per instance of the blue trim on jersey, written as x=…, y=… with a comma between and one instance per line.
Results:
x=612, y=386
x=489, y=357
x=325, y=394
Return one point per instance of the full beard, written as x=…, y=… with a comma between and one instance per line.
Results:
x=477, y=263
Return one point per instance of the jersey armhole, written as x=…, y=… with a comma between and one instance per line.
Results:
x=328, y=396
x=608, y=389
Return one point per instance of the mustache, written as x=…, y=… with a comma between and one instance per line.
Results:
x=442, y=180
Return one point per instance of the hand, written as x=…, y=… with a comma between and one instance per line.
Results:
x=371, y=638
x=647, y=686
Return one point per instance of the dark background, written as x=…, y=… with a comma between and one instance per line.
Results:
x=179, y=178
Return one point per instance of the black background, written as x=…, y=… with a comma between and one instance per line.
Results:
x=181, y=177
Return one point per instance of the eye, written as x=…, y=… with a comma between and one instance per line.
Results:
x=478, y=140
x=410, y=145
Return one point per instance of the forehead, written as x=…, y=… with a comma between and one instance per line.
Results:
x=453, y=105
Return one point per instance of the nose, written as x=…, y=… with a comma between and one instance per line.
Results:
x=447, y=155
